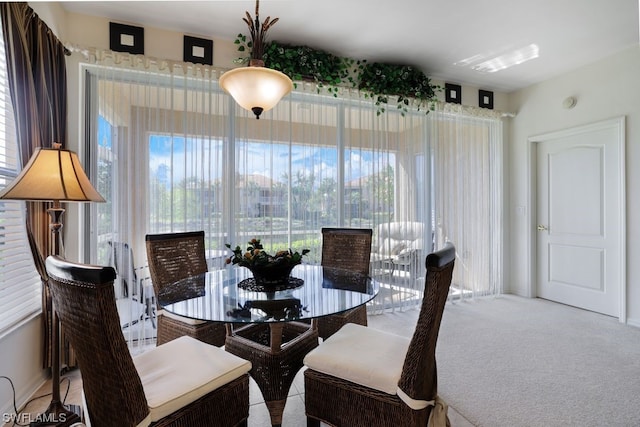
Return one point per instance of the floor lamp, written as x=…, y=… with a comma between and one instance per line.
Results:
x=53, y=175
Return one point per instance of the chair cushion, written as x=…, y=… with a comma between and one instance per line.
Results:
x=362, y=355
x=183, y=370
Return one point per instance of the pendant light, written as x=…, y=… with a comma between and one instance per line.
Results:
x=256, y=88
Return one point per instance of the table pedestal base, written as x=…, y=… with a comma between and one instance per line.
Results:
x=276, y=352
x=276, y=408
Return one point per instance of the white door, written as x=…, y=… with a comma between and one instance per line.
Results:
x=580, y=217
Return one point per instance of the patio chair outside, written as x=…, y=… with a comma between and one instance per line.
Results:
x=135, y=293
x=399, y=247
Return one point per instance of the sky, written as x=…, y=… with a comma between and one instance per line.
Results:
x=204, y=158
x=270, y=160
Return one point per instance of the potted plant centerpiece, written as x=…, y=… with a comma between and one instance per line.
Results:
x=268, y=270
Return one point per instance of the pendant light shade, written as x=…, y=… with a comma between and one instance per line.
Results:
x=256, y=88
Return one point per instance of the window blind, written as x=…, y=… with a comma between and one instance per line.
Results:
x=20, y=289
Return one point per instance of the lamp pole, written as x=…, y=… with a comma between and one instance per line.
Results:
x=55, y=225
x=53, y=175
x=56, y=414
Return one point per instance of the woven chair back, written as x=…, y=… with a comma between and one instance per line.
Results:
x=347, y=248
x=83, y=297
x=175, y=256
x=419, y=375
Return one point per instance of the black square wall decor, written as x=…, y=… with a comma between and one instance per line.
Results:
x=198, y=51
x=453, y=93
x=485, y=99
x=126, y=38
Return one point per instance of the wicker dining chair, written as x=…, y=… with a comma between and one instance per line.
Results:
x=365, y=377
x=172, y=257
x=347, y=248
x=184, y=383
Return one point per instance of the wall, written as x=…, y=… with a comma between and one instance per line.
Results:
x=91, y=31
x=21, y=354
x=606, y=89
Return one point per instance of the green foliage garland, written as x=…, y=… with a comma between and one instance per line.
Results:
x=410, y=86
x=305, y=63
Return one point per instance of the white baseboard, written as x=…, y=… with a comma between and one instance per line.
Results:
x=633, y=322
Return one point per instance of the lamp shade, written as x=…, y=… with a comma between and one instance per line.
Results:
x=52, y=174
x=256, y=89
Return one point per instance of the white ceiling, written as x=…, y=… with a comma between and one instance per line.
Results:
x=433, y=35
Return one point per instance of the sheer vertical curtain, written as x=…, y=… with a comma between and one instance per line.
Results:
x=157, y=130
x=468, y=199
x=175, y=154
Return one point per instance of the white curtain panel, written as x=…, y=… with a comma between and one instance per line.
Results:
x=468, y=188
x=172, y=152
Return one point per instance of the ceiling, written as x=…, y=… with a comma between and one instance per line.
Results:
x=444, y=38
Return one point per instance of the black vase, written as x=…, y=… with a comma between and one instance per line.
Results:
x=270, y=275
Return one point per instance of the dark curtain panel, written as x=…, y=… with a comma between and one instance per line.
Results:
x=38, y=83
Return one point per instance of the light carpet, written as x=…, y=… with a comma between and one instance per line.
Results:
x=520, y=362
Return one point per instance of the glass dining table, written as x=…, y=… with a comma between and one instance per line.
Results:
x=273, y=328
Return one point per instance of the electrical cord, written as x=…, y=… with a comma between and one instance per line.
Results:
x=15, y=407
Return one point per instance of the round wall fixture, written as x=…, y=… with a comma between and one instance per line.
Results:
x=569, y=102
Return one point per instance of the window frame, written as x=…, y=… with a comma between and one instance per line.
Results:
x=20, y=284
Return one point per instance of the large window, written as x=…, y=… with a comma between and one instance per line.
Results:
x=283, y=192
x=185, y=186
x=20, y=289
x=181, y=156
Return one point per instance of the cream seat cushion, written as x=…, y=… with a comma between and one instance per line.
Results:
x=362, y=355
x=183, y=370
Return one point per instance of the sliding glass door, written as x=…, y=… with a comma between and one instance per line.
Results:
x=173, y=153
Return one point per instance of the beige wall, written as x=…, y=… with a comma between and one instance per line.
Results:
x=90, y=31
x=21, y=360
x=609, y=88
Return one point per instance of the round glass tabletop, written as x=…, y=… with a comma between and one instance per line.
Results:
x=231, y=295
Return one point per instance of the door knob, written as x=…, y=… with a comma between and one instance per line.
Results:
x=542, y=228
